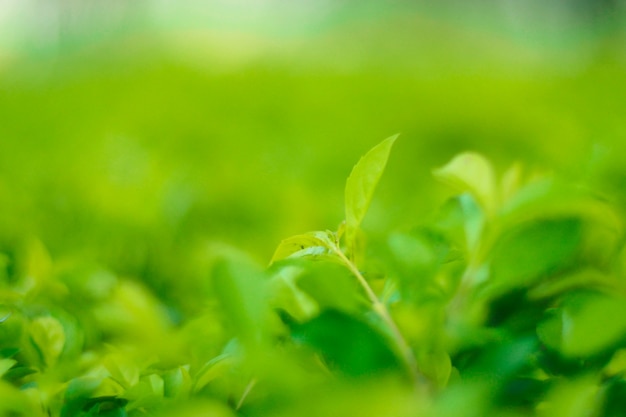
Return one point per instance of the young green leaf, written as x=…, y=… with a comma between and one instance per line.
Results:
x=471, y=172
x=307, y=244
x=5, y=365
x=212, y=370
x=49, y=336
x=361, y=184
x=177, y=382
x=122, y=369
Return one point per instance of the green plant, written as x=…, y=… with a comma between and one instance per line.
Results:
x=510, y=300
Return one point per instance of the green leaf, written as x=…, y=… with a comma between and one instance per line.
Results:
x=86, y=393
x=471, y=172
x=212, y=370
x=177, y=382
x=49, y=336
x=286, y=295
x=349, y=345
x=122, y=369
x=534, y=250
x=311, y=244
x=361, y=185
x=240, y=286
x=148, y=393
x=332, y=286
x=587, y=324
x=5, y=365
x=14, y=402
x=435, y=365
x=572, y=398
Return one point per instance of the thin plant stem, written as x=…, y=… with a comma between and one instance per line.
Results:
x=383, y=312
x=246, y=391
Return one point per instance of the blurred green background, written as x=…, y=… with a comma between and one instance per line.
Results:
x=137, y=135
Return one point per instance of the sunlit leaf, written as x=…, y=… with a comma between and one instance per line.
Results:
x=178, y=383
x=212, y=370
x=471, y=172
x=286, y=295
x=122, y=369
x=5, y=365
x=361, y=185
x=312, y=244
x=49, y=337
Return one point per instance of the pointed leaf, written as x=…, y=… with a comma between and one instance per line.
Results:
x=361, y=184
x=212, y=370
x=5, y=365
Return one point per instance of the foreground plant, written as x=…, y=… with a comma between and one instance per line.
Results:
x=509, y=301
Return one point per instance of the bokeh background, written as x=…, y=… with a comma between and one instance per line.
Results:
x=138, y=135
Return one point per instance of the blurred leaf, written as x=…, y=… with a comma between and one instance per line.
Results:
x=84, y=395
x=213, y=369
x=5, y=365
x=14, y=402
x=347, y=344
x=471, y=172
x=332, y=286
x=586, y=325
x=106, y=407
x=178, y=383
x=547, y=198
x=617, y=365
x=535, y=250
x=286, y=295
x=49, y=336
x=614, y=399
x=241, y=288
x=461, y=221
x=574, y=398
x=436, y=366
x=122, y=369
x=361, y=185
x=584, y=279
x=148, y=393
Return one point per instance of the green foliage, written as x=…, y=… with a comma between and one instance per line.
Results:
x=509, y=300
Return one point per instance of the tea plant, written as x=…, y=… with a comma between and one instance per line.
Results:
x=510, y=300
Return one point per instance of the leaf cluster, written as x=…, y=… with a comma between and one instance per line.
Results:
x=509, y=300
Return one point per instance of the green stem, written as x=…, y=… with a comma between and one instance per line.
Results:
x=383, y=312
x=246, y=391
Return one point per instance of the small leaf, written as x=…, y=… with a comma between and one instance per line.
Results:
x=5, y=365
x=177, y=382
x=49, y=337
x=286, y=295
x=147, y=393
x=471, y=172
x=212, y=370
x=122, y=370
x=361, y=184
x=307, y=244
